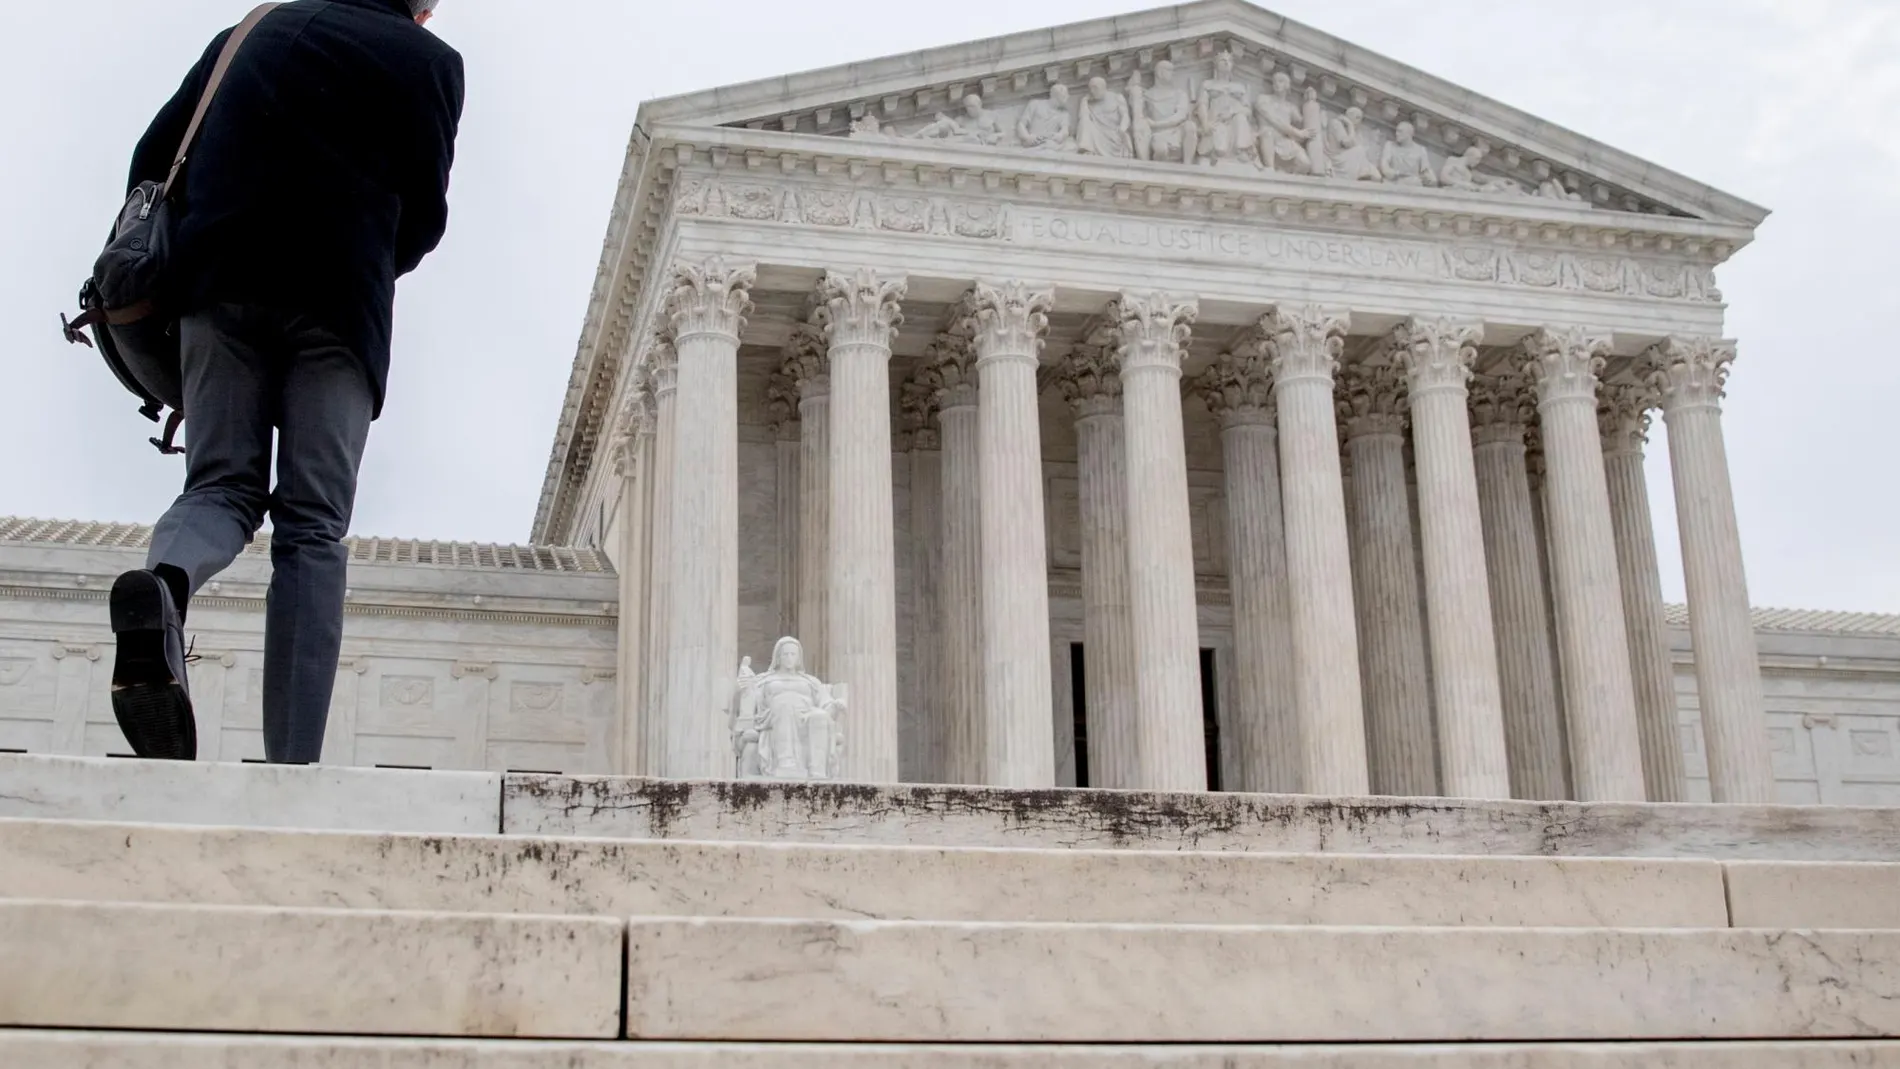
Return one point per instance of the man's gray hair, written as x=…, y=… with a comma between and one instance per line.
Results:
x=422, y=7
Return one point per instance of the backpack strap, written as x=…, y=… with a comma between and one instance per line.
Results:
x=168, y=444
x=218, y=70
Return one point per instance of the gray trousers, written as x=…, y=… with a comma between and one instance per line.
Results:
x=248, y=372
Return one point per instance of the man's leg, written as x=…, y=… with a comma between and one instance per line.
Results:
x=324, y=419
x=227, y=471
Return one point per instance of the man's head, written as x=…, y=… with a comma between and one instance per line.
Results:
x=422, y=10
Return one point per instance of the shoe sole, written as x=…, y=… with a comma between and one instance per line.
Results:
x=150, y=704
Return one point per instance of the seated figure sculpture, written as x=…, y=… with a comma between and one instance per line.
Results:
x=1046, y=125
x=974, y=125
x=785, y=722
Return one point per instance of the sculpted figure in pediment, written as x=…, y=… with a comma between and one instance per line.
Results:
x=1552, y=188
x=1461, y=172
x=1404, y=161
x=1103, y=127
x=1045, y=123
x=1347, y=154
x=974, y=125
x=1172, y=133
x=868, y=128
x=1284, y=137
x=1224, y=112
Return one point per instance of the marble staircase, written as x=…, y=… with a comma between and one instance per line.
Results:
x=170, y=916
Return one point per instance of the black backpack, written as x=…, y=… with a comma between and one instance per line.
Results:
x=121, y=303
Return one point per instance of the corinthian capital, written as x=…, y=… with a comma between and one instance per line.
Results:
x=860, y=308
x=664, y=361
x=1304, y=341
x=1090, y=376
x=1008, y=319
x=710, y=297
x=1153, y=329
x=952, y=361
x=1623, y=415
x=918, y=404
x=1503, y=407
x=781, y=402
x=808, y=361
x=1564, y=362
x=1436, y=354
x=1690, y=372
x=1372, y=399
x=1238, y=388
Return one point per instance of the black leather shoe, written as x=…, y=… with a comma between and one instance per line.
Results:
x=150, y=693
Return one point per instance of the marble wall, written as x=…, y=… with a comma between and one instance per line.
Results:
x=503, y=664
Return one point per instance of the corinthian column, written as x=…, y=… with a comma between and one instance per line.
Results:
x=1091, y=383
x=707, y=302
x=1238, y=389
x=1171, y=747
x=1372, y=399
x=1305, y=343
x=1691, y=374
x=1623, y=418
x=808, y=363
x=1599, y=697
x=1007, y=322
x=633, y=461
x=664, y=360
x=860, y=315
x=952, y=359
x=1502, y=409
x=1438, y=355
x=781, y=411
x=922, y=749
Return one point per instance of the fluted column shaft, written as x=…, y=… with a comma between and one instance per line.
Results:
x=658, y=636
x=1624, y=419
x=1019, y=749
x=1599, y=697
x=1306, y=344
x=1091, y=382
x=1170, y=748
x=1520, y=608
x=926, y=532
x=1391, y=628
x=1266, y=719
x=1472, y=756
x=860, y=316
x=962, y=589
x=1691, y=374
x=636, y=518
x=707, y=303
x=808, y=361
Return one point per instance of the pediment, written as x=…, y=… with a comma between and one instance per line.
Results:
x=1330, y=110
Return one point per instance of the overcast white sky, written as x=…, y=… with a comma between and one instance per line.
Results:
x=1789, y=103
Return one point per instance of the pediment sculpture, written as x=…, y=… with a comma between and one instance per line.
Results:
x=1225, y=122
x=786, y=724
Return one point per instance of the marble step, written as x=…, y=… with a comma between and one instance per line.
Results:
x=275, y=796
x=92, y=1050
x=884, y=981
x=344, y=972
x=85, y=861
x=70, y=788
x=980, y=816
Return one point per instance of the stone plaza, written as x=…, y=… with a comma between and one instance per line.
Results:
x=1190, y=406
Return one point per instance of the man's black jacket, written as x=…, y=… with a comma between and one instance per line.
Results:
x=321, y=172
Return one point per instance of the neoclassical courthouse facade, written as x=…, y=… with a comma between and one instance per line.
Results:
x=1182, y=400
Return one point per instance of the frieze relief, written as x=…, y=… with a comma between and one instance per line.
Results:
x=1449, y=259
